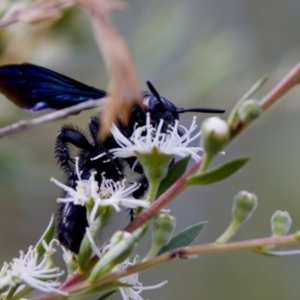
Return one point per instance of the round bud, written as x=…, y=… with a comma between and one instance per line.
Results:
x=215, y=135
x=249, y=110
x=244, y=205
x=164, y=226
x=281, y=223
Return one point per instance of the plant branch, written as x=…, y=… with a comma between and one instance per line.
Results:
x=287, y=83
x=184, y=253
x=36, y=12
x=56, y=115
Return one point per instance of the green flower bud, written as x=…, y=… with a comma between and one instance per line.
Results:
x=119, y=236
x=122, y=244
x=116, y=254
x=249, y=110
x=281, y=223
x=164, y=226
x=244, y=205
x=215, y=135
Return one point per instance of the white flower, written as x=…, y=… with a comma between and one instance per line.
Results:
x=145, y=138
x=84, y=191
x=33, y=271
x=109, y=193
x=116, y=194
x=136, y=287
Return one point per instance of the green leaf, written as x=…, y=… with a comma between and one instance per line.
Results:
x=183, y=238
x=106, y=295
x=174, y=173
x=47, y=237
x=219, y=173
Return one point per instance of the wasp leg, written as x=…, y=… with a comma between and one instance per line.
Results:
x=69, y=135
x=71, y=219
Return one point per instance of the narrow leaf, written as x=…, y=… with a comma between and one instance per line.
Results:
x=278, y=253
x=47, y=237
x=106, y=295
x=184, y=238
x=219, y=173
x=174, y=173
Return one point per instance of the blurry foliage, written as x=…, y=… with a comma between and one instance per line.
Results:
x=7, y=172
x=61, y=27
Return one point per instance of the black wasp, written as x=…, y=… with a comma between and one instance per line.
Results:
x=35, y=89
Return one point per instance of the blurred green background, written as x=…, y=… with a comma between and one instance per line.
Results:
x=196, y=53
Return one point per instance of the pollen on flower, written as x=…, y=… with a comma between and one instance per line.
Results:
x=175, y=141
x=133, y=292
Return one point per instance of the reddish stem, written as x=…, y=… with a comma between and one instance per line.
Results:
x=288, y=82
x=72, y=279
x=183, y=252
x=163, y=200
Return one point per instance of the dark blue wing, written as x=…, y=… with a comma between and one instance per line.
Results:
x=35, y=88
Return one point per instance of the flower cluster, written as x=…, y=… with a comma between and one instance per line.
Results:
x=30, y=270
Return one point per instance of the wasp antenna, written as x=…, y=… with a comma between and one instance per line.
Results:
x=201, y=110
x=154, y=91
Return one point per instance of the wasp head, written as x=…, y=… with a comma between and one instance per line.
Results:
x=159, y=108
